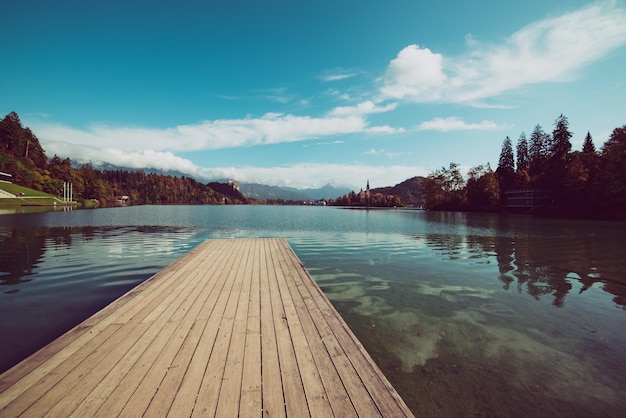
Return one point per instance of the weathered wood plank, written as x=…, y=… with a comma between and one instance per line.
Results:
x=208, y=396
x=251, y=394
x=233, y=328
x=310, y=315
x=314, y=391
x=273, y=400
x=382, y=393
x=230, y=391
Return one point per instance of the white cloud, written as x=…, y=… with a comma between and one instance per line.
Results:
x=455, y=124
x=162, y=160
x=416, y=73
x=303, y=175
x=364, y=108
x=272, y=128
x=338, y=75
x=551, y=50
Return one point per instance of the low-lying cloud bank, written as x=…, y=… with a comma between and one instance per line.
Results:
x=302, y=176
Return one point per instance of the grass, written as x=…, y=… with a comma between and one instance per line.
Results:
x=39, y=198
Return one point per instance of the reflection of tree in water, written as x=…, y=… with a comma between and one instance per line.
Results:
x=23, y=249
x=450, y=246
x=543, y=264
x=547, y=266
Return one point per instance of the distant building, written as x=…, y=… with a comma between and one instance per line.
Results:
x=122, y=200
x=527, y=200
x=364, y=195
x=233, y=184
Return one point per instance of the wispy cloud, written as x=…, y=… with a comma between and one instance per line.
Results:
x=272, y=128
x=373, y=151
x=551, y=50
x=455, y=124
x=277, y=94
x=363, y=108
x=338, y=75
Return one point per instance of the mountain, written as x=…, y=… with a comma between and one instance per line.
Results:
x=262, y=191
x=251, y=190
x=409, y=191
x=147, y=170
x=326, y=192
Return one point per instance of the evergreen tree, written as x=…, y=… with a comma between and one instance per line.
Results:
x=537, y=156
x=613, y=172
x=557, y=164
x=561, y=145
x=588, y=147
x=522, y=178
x=506, y=167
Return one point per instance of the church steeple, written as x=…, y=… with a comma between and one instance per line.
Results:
x=367, y=190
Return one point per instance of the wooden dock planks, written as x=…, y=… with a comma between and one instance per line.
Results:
x=233, y=328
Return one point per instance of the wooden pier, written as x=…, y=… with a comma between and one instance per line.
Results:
x=236, y=327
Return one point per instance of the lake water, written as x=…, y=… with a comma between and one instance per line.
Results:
x=466, y=314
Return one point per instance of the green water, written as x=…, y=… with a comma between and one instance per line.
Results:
x=467, y=315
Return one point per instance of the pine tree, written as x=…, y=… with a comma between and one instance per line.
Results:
x=506, y=167
x=613, y=171
x=522, y=152
x=537, y=156
x=522, y=177
x=561, y=145
x=588, y=147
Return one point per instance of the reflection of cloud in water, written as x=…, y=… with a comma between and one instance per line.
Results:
x=570, y=378
x=412, y=341
x=480, y=333
x=347, y=287
x=415, y=339
x=453, y=293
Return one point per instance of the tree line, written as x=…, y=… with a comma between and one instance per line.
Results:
x=585, y=183
x=22, y=156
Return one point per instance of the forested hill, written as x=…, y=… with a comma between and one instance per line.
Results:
x=22, y=156
x=409, y=191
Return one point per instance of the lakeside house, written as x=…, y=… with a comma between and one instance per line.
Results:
x=527, y=200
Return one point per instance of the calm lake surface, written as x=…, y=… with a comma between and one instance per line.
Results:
x=466, y=314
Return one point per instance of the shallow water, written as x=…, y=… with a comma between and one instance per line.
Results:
x=466, y=314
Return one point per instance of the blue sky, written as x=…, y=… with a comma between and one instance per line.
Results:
x=297, y=94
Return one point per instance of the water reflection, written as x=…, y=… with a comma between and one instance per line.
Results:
x=540, y=264
x=467, y=314
x=53, y=278
x=21, y=250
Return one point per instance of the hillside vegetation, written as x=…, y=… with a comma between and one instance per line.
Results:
x=541, y=175
x=22, y=156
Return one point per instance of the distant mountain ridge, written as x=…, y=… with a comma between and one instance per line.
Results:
x=262, y=191
x=409, y=191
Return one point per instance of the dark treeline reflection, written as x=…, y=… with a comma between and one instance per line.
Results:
x=52, y=278
x=539, y=257
x=23, y=249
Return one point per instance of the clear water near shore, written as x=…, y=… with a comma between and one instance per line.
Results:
x=466, y=314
